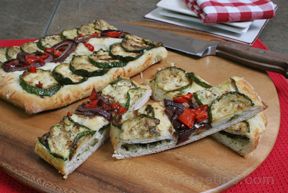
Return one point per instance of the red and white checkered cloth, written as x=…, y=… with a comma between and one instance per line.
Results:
x=221, y=11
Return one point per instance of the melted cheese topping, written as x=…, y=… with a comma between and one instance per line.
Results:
x=119, y=90
x=45, y=78
x=94, y=123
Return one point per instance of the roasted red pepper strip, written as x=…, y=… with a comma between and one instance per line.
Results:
x=32, y=69
x=39, y=85
x=49, y=50
x=119, y=108
x=31, y=58
x=187, y=117
x=201, y=113
x=93, y=95
x=183, y=98
x=112, y=33
x=89, y=46
x=95, y=35
x=92, y=104
x=57, y=53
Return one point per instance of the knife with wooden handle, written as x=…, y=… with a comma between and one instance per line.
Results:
x=253, y=57
x=240, y=53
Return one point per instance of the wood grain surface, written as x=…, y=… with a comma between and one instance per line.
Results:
x=202, y=166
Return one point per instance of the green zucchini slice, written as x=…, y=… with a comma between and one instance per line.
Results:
x=102, y=59
x=132, y=43
x=208, y=95
x=172, y=79
x=3, y=57
x=228, y=105
x=81, y=66
x=49, y=41
x=103, y=25
x=64, y=138
x=69, y=34
x=242, y=129
x=87, y=29
x=41, y=82
x=30, y=47
x=64, y=75
x=140, y=128
x=198, y=80
x=119, y=90
x=117, y=51
x=11, y=52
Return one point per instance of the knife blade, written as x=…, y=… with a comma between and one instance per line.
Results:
x=251, y=57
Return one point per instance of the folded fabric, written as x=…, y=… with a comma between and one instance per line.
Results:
x=221, y=11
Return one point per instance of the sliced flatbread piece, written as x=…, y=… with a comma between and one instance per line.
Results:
x=150, y=131
x=243, y=137
x=245, y=141
x=69, y=143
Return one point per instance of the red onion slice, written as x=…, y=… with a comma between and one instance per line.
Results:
x=68, y=45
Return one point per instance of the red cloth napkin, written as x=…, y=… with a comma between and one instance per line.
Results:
x=220, y=11
x=270, y=176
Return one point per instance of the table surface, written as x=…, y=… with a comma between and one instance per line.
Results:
x=27, y=19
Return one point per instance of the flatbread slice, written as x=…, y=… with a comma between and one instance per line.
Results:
x=242, y=142
x=71, y=141
x=243, y=137
x=150, y=131
x=227, y=104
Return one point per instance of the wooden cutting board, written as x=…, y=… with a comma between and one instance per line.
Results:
x=202, y=166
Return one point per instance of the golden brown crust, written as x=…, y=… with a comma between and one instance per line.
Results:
x=246, y=88
x=59, y=164
x=11, y=91
x=257, y=127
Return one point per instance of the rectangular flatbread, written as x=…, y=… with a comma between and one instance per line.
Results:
x=57, y=70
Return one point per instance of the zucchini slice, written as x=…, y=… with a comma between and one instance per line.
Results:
x=119, y=90
x=242, y=129
x=49, y=41
x=103, y=25
x=30, y=47
x=132, y=43
x=11, y=52
x=102, y=59
x=206, y=96
x=117, y=51
x=198, y=80
x=69, y=34
x=64, y=75
x=41, y=82
x=81, y=66
x=172, y=79
x=64, y=138
x=141, y=128
x=87, y=29
x=3, y=57
x=228, y=105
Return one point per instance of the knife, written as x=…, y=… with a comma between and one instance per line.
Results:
x=251, y=57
